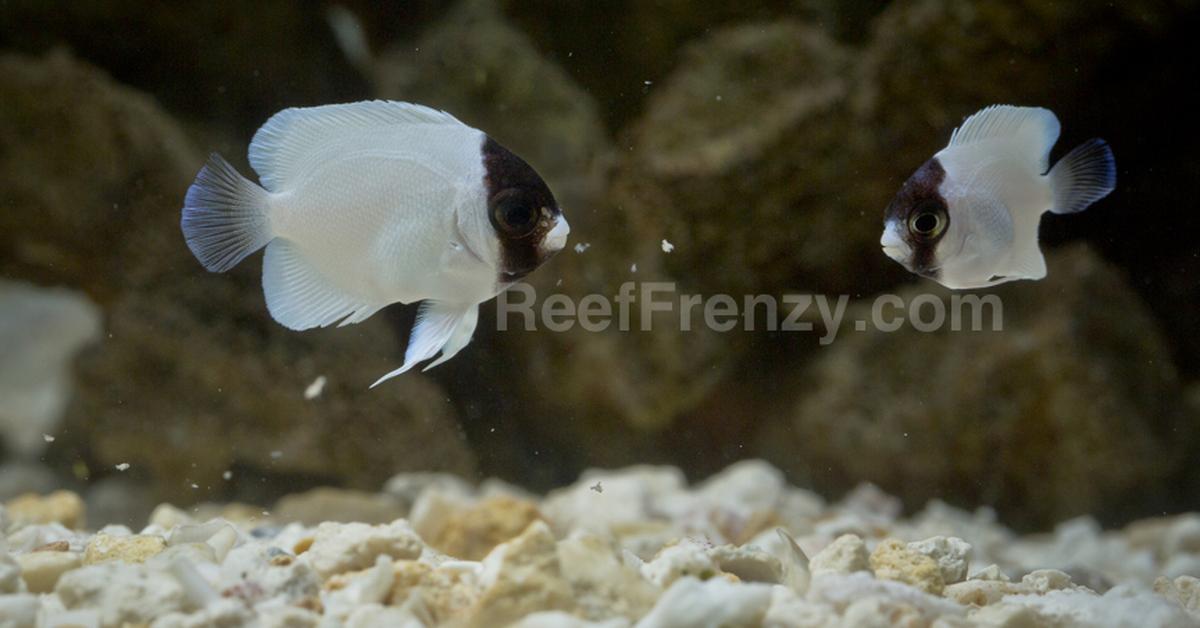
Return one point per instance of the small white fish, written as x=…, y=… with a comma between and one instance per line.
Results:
x=968, y=218
x=367, y=204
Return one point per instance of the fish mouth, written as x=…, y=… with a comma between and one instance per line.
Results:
x=556, y=239
x=893, y=242
x=895, y=252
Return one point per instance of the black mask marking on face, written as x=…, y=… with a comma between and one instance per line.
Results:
x=922, y=214
x=520, y=207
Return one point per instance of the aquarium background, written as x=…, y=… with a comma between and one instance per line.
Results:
x=762, y=140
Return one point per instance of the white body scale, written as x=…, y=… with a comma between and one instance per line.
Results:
x=997, y=191
x=382, y=214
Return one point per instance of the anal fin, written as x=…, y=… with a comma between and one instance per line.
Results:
x=1027, y=261
x=443, y=327
x=299, y=297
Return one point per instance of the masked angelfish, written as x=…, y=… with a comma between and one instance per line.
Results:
x=968, y=218
x=367, y=204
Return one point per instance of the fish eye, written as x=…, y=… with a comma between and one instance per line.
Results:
x=928, y=221
x=515, y=214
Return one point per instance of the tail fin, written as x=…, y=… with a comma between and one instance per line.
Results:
x=1085, y=175
x=224, y=216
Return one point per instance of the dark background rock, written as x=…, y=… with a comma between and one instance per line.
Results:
x=1071, y=408
x=218, y=63
x=614, y=48
x=758, y=198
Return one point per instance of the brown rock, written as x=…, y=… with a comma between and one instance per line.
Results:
x=137, y=548
x=333, y=504
x=1070, y=409
x=94, y=195
x=170, y=51
x=641, y=40
x=472, y=532
x=720, y=187
x=54, y=546
x=1183, y=590
x=446, y=593
x=62, y=507
x=41, y=570
x=527, y=579
x=893, y=560
x=846, y=554
x=341, y=547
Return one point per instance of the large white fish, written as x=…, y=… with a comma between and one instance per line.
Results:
x=367, y=204
x=968, y=218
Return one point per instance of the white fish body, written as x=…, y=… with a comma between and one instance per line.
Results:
x=986, y=192
x=381, y=220
x=369, y=204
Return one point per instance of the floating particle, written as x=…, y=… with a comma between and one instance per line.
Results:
x=633, y=268
x=667, y=247
x=48, y=438
x=315, y=389
x=195, y=486
x=597, y=487
x=124, y=466
x=228, y=475
x=276, y=455
x=582, y=246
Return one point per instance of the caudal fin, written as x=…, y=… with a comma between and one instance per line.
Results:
x=224, y=216
x=1085, y=175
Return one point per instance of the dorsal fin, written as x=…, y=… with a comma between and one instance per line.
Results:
x=280, y=147
x=1032, y=129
